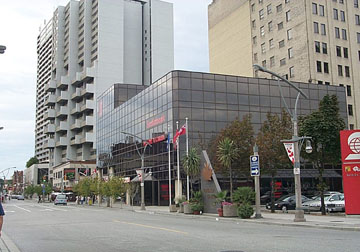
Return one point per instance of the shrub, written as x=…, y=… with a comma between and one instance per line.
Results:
x=244, y=195
x=245, y=211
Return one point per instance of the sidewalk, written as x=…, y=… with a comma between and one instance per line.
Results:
x=348, y=223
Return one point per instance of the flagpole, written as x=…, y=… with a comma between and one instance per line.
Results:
x=187, y=154
x=178, y=159
x=168, y=145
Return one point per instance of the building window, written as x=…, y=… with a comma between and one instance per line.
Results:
x=321, y=10
x=263, y=50
x=320, y=82
x=351, y=126
x=270, y=26
x=358, y=37
x=262, y=31
x=279, y=8
x=291, y=71
x=318, y=66
x=338, y=51
x=341, y=1
x=254, y=40
x=350, y=110
x=280, y=25
x=343, y=32
x=340, y=71
x=271, y=43
x=281, y=43
x=282, y=62
x=290, y=53
x=269, y=9
x=287, y=1
x=327, y=83
x=336, y=14
x=288, y=16
x=260, y=1
x=348, y=90
x=289, y=34
x=317, y=46
x=253, y=24
x=342, y=16
x=255, y=57
x=346, y=53
x=347, y=71
x=261, y=14
x=337, y=32
x=326, y=67
x=323, y=29
x=324, y=48
x=253, y=8
x=272, y=61
x=314, y=8
x=356, y=3
x=316, y=27
x=263, y=63
x=357, y=19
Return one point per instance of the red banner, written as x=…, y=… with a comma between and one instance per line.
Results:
x=350, y=156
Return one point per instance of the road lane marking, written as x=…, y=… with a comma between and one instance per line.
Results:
x=22, y=208
x=6, y=211
x=47, y=209
x=153, y=227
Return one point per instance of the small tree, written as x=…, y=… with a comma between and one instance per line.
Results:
x=106, y=191
x=32, y=161
x=227, y=153
x=133, y=189
x=117, y=187
x=191, y=164
x=30, y=190
x=324, y=127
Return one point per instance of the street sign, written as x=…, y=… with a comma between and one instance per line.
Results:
x=254, y=165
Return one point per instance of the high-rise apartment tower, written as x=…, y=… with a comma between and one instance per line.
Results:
x=84, y=49
x=314, y=41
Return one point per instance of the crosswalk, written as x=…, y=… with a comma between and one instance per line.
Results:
x=30, y=208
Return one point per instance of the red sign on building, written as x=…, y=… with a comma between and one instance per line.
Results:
x=350, y=156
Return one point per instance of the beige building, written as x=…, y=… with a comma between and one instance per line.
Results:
x=314, y=41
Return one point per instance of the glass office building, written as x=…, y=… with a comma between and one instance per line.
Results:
x=128, y=116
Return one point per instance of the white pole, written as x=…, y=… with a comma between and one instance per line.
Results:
x=168, y=145
x=178, y=159
x=187, y=154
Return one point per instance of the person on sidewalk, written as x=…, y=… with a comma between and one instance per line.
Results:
x=39, y=201
x=2, y=213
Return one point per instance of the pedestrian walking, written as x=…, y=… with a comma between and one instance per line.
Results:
x=39, y=201
x=2, y=213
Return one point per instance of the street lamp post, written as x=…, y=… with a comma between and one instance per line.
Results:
x=299, y=213
x=142, y=156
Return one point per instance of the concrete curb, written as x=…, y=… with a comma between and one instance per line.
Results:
x=6, y=244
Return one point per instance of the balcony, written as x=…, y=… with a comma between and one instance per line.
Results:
x=50, y=114
x=63, y=112
x=77, y=95
x=88, y=138
x=77, y=109
x=49, y=144
x=63, y=141
x=89, y=89
x=87, y=75
x=76, y=140
x=76, y=125
x=50, y=101
x=64, y=96
x=88, y=122
x=49, y=129
x=89, y=105
x=64, y=81
x=62, y=127
x=50, y=86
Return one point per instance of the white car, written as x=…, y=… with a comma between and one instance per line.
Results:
x=314, y=205
x=336, y=205
x=60, y=199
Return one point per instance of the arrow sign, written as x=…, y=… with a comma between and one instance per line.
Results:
x=254, y=165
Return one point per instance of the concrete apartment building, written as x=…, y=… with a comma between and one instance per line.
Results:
x=314, y=41
x=85, y=48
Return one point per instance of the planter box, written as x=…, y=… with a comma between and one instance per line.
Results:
x=230, y=211
x=187, y=209
x=181, y=209
x=172, y=208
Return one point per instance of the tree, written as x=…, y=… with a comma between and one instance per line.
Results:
x=133, y=189
x=30, y=190
x=191, y=164
x=323, y=126
x=117, y=187
x=227, y=152
x=32, y=161
x=271, y=151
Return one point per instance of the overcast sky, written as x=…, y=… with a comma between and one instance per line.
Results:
x=19, y=27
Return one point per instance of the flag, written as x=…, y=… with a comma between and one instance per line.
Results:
x=179, y=132
x=138, y=172
x=289, y=147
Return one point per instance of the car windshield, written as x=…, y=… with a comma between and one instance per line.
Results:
x=61, y=197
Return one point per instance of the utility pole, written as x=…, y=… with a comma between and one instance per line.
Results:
x=257, y=185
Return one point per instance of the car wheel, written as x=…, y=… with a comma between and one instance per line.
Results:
x=284, y=209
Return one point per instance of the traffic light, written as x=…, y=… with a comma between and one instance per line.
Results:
x=44, y=178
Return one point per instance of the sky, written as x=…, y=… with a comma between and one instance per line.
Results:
x=20, y=22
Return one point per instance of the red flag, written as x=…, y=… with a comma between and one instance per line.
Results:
x=180, y=132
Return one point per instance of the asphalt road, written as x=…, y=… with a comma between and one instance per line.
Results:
x=45, y=227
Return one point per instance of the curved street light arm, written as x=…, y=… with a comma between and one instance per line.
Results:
x=282, y=97
x=295, y=109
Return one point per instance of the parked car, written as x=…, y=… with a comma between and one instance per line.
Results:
x=287, y=202
x=20, y=197
x=266, y=197
x=60, y=199
x=336, y=205
x=14, y=196
x=315, y=204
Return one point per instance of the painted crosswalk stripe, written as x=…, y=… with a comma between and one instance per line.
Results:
x=22, y=208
